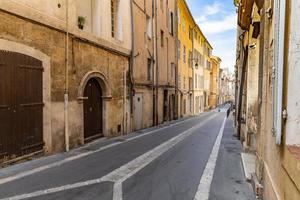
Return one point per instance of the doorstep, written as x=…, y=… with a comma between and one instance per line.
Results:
x=248, y=160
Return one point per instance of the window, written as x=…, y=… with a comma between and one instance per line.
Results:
x=184, y=54
x=171, y=23
x=149, y=27
x=173, y=70
x=190, y=83
x=196, y=81
x=162, y=4
x=183, y=24
x=162, y=37
x=178, y=15
x=202, y=60
x=179, y=49
x=179, y=80
x=208, y=64
x=201, y=82
x=149, y=69
x=190, y=63
x=113, y=18
x=190, y=33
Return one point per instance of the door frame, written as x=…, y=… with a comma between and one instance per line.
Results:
x=106, y=97
x=134, y=108
x=102, y=121
x=11, y=46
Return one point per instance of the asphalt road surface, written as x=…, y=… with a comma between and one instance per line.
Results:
x=182, y=160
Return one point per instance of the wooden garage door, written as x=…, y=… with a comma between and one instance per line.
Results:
x=21, y=105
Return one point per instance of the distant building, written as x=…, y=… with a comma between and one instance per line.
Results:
x=154, y=63
x=214, y=81
x=194, y=52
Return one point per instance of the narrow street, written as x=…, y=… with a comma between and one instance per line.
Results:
x=172, y=162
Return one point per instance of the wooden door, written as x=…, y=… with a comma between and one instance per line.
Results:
x=165, y=106
x=21, y=104
x=92, y=110
x=138, y=111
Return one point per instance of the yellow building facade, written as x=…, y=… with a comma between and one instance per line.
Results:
x=214, y=81
x=186, y=25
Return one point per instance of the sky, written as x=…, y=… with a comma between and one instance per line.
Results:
x=217, y=20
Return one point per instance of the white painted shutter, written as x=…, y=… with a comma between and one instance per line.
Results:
x=278, y=64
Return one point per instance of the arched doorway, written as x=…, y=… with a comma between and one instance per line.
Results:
x=93, y=109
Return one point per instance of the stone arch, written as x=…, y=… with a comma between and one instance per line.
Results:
x=101, y=78
x=12, y=46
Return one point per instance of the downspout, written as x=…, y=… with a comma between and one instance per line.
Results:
x=131, y=65
x=156, y=60
x=124, y=102
x=193, y=73
x=242, y=90
x=176, y=61
x=66, y=92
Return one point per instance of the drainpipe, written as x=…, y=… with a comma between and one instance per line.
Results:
x=156, y=60
x=177, y=62
x=131, y=65
x=66, y=92
x=124, y=102
x=241, y=91
x=193, y=75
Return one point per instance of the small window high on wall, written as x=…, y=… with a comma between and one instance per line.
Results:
x=113, y=20
x=89, y=16
x=149, y=26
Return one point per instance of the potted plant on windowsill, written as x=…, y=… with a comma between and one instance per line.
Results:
x=81, y=21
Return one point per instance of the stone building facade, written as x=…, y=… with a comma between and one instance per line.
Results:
x=78, y=61
x=267, y=99
x=199, y=45
x=154, y=62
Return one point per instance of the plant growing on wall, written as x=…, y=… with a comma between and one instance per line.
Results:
x=81, y=21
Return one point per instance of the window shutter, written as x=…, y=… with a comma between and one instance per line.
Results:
x=278, y=64
x=170, y=22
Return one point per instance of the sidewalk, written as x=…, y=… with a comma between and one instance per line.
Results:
x=229, y=182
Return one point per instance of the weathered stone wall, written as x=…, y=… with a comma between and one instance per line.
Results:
x=83, y=57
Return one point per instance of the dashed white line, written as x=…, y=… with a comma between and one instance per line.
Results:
x=124, y=172
x=206, y=179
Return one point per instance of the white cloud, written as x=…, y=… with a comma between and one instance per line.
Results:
x=218, y=26
x=218, y=22
x=224, y=47
x=210, y=10
x=213, y=9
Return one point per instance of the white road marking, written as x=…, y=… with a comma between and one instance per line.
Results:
x=206, y=179
x=66, y=160
x=124, y=172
